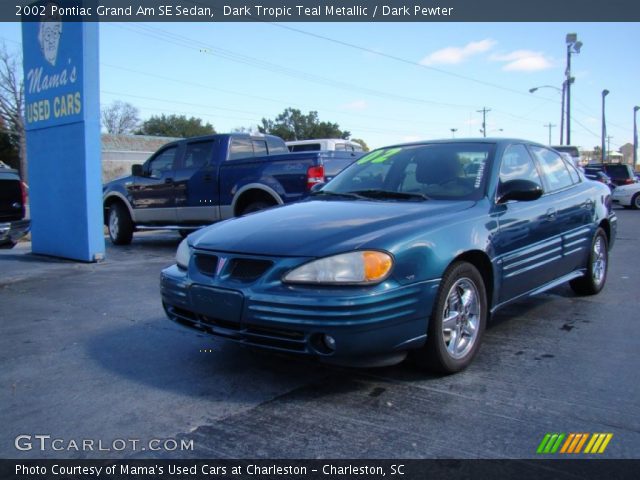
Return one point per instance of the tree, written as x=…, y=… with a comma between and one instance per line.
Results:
x=175, y=126
x=292, y=124
x=364, y=145
x=120, y=118
x=12, y=106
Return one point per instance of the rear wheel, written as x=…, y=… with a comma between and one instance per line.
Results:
x=457, y=321
x=596, y=276
x=635, y=201
x=120, y=225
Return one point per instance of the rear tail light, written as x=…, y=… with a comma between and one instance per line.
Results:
x=23, y=191
x=629, y=181
x=315, y=175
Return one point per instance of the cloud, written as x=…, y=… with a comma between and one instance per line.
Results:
x=523, y=61
x=356, y=105
x=454, y=55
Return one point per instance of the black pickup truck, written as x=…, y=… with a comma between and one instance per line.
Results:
x=13, y=197
x=194, y=182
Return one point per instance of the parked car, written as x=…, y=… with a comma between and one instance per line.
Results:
x=13, y=201
x=192, y=183
x=620, y=173
x=600, y=177
x=403, y=251
x=331, y=144
x=627, y=195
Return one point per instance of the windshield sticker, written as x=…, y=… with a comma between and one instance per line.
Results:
x=380, y=156
x=479, y=175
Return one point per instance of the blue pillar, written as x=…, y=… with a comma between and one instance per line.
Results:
x=62, y=119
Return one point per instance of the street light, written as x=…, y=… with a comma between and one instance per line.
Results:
x=604, y=127
x=562, y=90
x=635, y=139
x=573, y=46
x=453, y=132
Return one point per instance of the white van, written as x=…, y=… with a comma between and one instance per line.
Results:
x=333, y=144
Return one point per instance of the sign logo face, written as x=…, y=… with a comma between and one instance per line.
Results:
x=589, y=443
x=49, y=37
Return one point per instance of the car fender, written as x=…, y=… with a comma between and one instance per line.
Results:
x=116, y=194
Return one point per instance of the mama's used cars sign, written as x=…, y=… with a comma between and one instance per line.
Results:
x=53, y=71
x=62, y=119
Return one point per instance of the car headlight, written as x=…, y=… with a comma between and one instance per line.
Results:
x=183, y=254
x=362, y=267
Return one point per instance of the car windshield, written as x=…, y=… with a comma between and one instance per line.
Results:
x=441, y=171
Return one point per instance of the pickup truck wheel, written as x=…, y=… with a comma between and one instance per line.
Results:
x=594, y=279
x=457, y=321
x=255, y=206
x=120, y=225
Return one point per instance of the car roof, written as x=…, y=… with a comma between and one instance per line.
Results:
x=487, y=140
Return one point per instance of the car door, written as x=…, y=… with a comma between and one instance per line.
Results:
x=153, y=194
x=523, y=243
x=196, y=184
x=573, y=209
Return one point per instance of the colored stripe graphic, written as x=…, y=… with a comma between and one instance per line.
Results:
x=572, y=443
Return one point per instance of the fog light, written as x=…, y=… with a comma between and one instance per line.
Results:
x=329, y=342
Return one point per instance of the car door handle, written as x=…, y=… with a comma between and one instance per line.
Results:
x=168, y=180
x=551, y=214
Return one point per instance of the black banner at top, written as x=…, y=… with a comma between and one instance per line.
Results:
x=320, y=10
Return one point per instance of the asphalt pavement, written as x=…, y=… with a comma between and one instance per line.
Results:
x=86, y=353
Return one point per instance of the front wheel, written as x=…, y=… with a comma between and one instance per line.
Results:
x=635, y=201
x=457, y=321
x=120, y=225
x=596, y=276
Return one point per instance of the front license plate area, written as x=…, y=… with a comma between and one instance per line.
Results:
x=217, y=304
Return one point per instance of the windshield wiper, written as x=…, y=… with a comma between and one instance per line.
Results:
x=373, y=193
x=329, y=193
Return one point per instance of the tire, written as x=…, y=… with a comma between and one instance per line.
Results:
x=254, y=207
x=120, y=225
x=597, y=265
x=451, y=346
x=635, y=201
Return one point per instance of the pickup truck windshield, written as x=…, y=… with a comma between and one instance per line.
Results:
x=440, y=171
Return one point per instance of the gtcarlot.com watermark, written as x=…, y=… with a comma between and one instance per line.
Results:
x=26, y=443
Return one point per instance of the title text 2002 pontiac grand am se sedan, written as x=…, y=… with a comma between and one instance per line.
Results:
x=409, y=249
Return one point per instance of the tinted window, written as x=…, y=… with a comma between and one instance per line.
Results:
x=572, y=171
x=305, y=147
x=198, y=154
x=553, y=167
x=276, y=146
x=517, y=164
x=162, y=162
x=619, y=171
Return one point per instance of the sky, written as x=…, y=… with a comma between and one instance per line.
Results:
x=385, y=83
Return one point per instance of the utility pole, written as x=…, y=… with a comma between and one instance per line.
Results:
x=609, y=137
x=484, y=112
x=549, y=126
x=635, y=138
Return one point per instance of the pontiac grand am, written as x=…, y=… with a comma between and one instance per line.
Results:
x=408, y=250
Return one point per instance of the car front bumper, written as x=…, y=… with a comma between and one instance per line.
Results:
x=11, y=232
x=385, y=320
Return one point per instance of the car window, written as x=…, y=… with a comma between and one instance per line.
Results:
x=573, y=172
x=276, y=146
x=305, y=147
x=619, y=171
x=162, y=162
x=553, y=167
x=240, y=148
x=438, y=171
x=259, y=148
x=198, y=154
x=517, y=164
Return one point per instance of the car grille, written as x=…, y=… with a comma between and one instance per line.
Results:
x=248, y=269
x=206, y=264
x=275, y=338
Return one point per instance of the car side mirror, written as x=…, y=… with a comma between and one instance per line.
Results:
x=137, y=170
x=519, y=190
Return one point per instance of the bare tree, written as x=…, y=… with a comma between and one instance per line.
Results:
x=120, y=118
x=12, y=104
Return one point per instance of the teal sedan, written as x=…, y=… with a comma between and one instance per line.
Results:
x=407, y=251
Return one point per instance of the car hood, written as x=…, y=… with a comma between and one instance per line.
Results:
x=322, y=227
